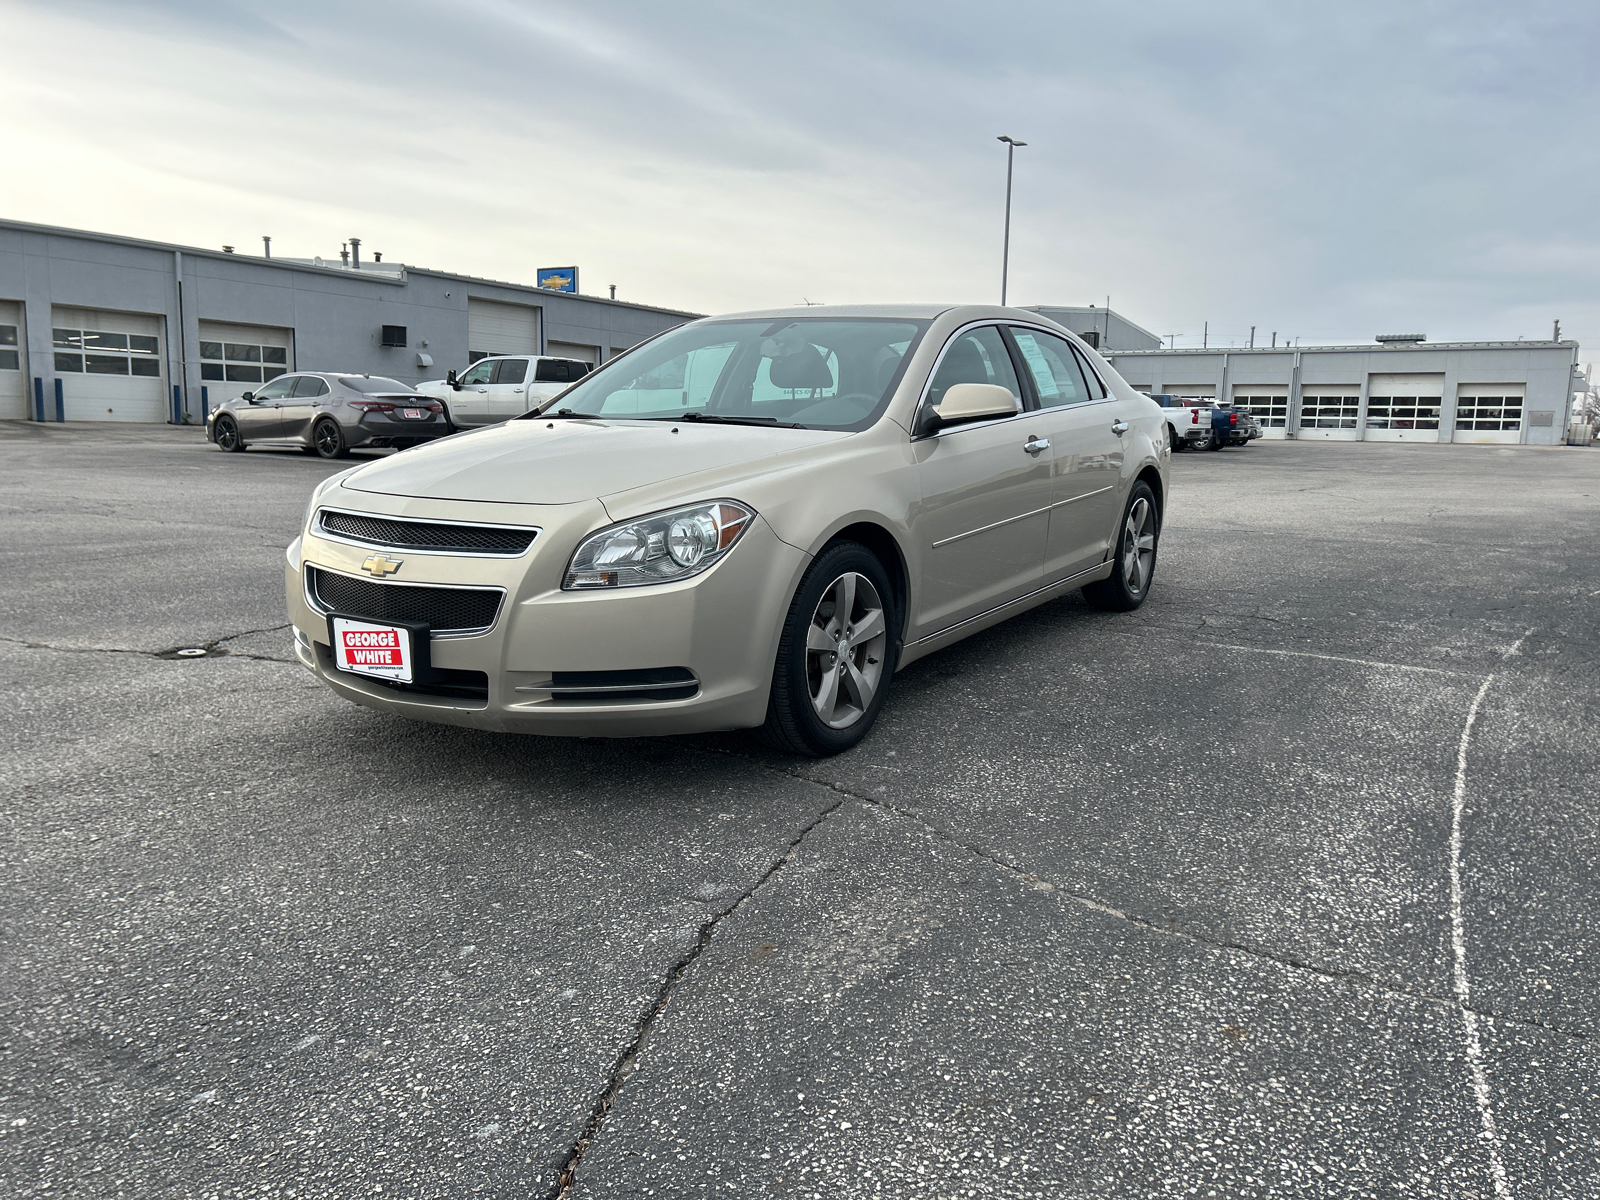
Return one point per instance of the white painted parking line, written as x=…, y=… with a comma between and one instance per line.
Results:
x=1362, y=662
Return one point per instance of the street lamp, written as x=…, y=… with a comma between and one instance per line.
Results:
x=1005, y=254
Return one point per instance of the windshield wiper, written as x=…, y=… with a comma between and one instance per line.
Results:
x=567, y=412
x=719, y=419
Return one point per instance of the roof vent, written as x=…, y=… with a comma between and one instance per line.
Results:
x=1401, y=339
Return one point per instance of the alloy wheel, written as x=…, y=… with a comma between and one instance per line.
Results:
x=329, y=442
x=846, y=645
x=227, y=435
x=1139, y=545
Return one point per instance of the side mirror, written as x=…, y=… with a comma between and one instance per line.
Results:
x=248, y=397
x=974, y=402
x=450, y=378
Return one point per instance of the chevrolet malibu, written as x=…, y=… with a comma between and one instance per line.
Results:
x=748, y=522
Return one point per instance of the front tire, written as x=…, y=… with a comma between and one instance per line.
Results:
x=226, y=434
x=836, y=656
x=328, y=439
x=1135, y=559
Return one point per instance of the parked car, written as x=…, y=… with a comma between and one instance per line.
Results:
x=327, y=413
x=747, y=522
x=1246, y=428
x=1190, y=424
x=504, y=386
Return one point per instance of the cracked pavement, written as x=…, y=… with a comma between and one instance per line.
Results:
x=1145, y=905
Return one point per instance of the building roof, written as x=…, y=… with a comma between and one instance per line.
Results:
x=383, y=272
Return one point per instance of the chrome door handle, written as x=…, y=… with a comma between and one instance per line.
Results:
x=1035, y=445
x=1119, y=427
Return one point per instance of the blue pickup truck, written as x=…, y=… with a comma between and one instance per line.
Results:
x=1194, y=425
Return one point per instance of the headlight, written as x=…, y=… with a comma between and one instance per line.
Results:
x=659, y=549
x=318, y=491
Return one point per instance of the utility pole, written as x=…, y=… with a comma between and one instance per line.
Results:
x=1005, y=252
x=1205, y=336
x=1556, y=336
x=1106, y=339
x=1171, y=342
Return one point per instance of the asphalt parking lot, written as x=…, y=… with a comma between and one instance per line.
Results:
x=1284, y=885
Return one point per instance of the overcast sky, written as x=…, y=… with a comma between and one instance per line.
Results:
x=1325, y=171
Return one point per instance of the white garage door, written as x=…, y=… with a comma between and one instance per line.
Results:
x=495, y=328
x=235, y=359
x=1268, y=403
x=588, y=354
x=1404, y=408
x=109, y=364
x=1489, y=412
x=13, y=370
x=1330, y=411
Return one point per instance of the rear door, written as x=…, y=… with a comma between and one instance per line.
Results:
x=1081, y=418
x=508, y=389
x=985, y=510
x=300, y=407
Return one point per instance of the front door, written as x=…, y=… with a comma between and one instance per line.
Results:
x=985, y=511
x=469, y=404
x=261, y=419
x=508, y=389
x=1082, y=420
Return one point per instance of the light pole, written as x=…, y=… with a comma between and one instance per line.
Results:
x=1005, y=253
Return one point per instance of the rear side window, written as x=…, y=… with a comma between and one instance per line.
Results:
x=977, y=356
x=1054, y=367
x=1097, y=390
x=510, y=370
x=559, y=370
x=309, y=387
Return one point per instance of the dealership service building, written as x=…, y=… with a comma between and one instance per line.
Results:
x=1398, y=388
x=95, y=327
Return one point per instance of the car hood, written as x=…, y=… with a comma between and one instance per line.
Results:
x=566, y=462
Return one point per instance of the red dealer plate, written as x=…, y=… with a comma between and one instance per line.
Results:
x=414, y=414
x=382, y=651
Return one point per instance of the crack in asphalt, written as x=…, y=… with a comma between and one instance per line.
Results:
x=1359, y=979
x=164, y=655
x=567, y=1177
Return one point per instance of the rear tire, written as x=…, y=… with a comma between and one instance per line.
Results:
x=1135, y=560
x=1215, y=443
x=836, y=656
x=328, y=439
x=225, y=431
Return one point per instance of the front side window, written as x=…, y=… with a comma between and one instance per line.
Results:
x=820, y=373
x=1054, y=367
x=480, y=372
x=278, y=389
x=510, y=370
x=977, y=356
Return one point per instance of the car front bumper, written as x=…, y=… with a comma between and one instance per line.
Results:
x=722, y=626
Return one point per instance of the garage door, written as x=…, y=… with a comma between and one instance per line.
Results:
x=235, y=359
x=495, y=328
x=1268, y=403
x=588, y=354
x=1330, y=412
x=109, y=364
x=1404, y=408
x=13, y=370
x=1489, y=412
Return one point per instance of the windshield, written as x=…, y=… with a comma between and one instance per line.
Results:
x=820, y=373
x=372, y=385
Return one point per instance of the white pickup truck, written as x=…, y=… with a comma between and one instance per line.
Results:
x=505, y=386
x=1199, y=425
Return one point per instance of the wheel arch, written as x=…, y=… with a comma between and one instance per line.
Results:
x=878, y=539
x=1149, y=474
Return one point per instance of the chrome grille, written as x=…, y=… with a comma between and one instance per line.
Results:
x=439, y=537
x=442, y=609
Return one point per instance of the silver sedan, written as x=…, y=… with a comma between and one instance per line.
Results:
x=329, y=414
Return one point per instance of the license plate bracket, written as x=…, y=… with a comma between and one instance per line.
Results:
x=388, y=651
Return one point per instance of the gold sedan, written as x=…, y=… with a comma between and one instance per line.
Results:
x=748, y=522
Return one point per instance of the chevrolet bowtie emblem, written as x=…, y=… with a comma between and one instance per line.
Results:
x=381, y=565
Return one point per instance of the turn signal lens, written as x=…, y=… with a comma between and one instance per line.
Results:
x=657, y=549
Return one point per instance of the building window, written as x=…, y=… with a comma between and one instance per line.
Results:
x=8, y=358
x=100, y=352
x=242, y=362
x=1496, y=413
x=1402, y=412
x=1271, y=411
x=1329, y=412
